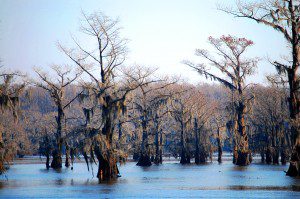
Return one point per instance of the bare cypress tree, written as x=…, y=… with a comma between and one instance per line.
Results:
x=103, y=63
x=236, y=68
x=57, y=91
x=284, y=17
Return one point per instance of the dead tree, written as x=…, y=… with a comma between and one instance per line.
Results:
x=235, y=67
x=57, y=90
x=283, y=16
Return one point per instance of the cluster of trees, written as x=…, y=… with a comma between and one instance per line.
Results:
x=102, y=111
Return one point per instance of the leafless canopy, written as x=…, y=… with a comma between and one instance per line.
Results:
x=231, y=62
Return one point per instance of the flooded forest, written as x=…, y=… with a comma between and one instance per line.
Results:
x=97, y=127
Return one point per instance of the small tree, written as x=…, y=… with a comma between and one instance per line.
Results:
x=57, y=91
x=236, y=68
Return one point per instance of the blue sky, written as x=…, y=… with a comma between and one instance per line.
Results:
x=162, y=33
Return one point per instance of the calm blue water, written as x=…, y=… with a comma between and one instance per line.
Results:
x=170, y=180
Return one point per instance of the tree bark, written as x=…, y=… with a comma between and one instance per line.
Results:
x=47, y=160
x=144, y=159
x=262, y=155
x=220, y=151
x=294, y=101
x=67, y=163
x=200, y=153
x=243, y=153
x=284, y=156
x=275, y=155
x=161, y=148
x=158, y=140
x=135, y=156
x=108, y=168
x=197, y=151
x=269, y=155
x=57, y=156
x=2, y=167
x=57, y=153
x=157, y=159
x=185, y=157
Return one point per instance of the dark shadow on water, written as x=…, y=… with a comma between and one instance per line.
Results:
x=247, y=188
x=240, y=168
x=59, y=182
x=267, y=188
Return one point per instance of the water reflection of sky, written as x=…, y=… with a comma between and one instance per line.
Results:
x=168, y=180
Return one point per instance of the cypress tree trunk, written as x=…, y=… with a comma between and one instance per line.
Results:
x=57, y=156
x=197, y=151
x=160, y=150
x=144, y=159
x=275, y=155
x=284, y=156
x=67, y=163
x=135, y=156
x=269, y=155
x=108, y=168
x=220, y=151
x=47, y=160
x=185, y=157
x=158, y=155
x=2, y=167
x=243, y=152
x=262, y=155
x=275, y=150
x=294, y=101
x=294, y=106
x=57, y=153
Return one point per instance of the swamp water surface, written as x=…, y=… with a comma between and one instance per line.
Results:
x=169, y=180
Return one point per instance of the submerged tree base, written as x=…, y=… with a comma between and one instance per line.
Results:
x=57, y=161
x=108, y=168
x=185, y=158
x=200, y=158
x=294, y=168
x=144, y=161
x=243, y=158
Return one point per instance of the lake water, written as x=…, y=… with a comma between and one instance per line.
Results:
x=169, y=180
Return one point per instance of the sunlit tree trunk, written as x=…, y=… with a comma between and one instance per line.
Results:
x=57, y=152
x=294, y=106
x=243, y=152
x=107, y=168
